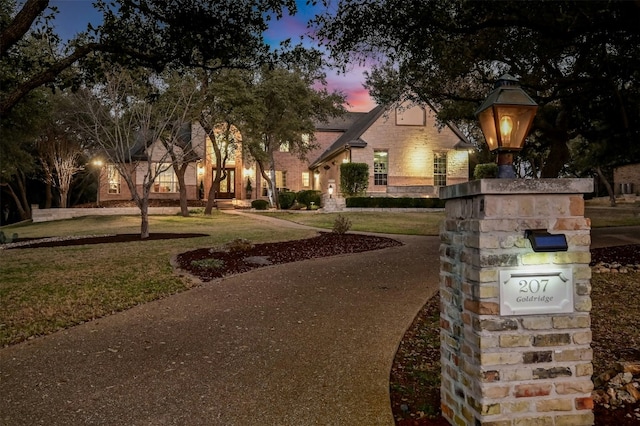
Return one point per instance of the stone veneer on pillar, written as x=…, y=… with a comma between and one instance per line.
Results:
x=507, y=369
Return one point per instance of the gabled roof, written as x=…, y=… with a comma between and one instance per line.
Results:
x=183, y=140
x=351, y=137
x=341, y=123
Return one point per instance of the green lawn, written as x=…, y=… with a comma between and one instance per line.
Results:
x=410, y=223
x=428, y=223
x=46, y=289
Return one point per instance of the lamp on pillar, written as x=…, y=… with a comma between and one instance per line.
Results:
x=505, y=119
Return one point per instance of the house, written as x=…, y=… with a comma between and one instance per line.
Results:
x=408, y=154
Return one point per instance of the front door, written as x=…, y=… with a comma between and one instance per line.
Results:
x=228, y=185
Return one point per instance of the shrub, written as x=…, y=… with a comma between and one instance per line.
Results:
x=354, y=178
x=286, y=199
x=4, y=239
x=341, y=225
x=207, y=263
x=239, y=245
x=260, y=204
x=307, y=197
x=389, y=202
x=485, y=171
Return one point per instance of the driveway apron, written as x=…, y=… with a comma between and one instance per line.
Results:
x=306, y=343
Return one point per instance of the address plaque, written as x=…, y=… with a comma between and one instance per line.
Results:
x=534, y=291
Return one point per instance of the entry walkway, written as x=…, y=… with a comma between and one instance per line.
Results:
x=307, y=343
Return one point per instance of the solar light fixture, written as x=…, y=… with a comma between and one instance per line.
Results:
x=543, y=241
x=505, y=118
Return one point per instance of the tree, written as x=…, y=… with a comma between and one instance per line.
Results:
x=286, y=108
x=354, y=178
x=59, y=149
x=20, y=127
x=226, y=99
x=17, y=152
x=449, y=53
x=129, y=119
x=180, y=91
x=154, y=33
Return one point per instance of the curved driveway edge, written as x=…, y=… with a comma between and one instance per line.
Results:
x=306, y=343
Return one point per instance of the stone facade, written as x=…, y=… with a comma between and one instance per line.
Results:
x=508, y=370
x=411, y=150
x=158, y=155
x=411, y=137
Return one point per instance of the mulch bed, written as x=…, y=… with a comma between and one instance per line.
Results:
x=260, y=255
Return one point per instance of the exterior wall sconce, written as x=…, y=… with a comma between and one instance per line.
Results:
x=505, y=118
x=330, y=190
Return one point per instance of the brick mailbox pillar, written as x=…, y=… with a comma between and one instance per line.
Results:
x=515, y=327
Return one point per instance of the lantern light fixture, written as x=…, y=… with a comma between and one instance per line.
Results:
x=505, y=118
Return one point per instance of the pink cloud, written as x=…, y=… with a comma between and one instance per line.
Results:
x=351, y=83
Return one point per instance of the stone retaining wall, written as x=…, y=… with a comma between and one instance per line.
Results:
x=46, y=215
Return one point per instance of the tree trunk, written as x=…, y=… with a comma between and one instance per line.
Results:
x=143, y=204
x=274, y=199
x=144, y=217
x=218, y=175
x=23, y=205
x=23, y=215
x=607, y=185
x=180, y=172
x=48, y=195
x=265, y=176
x=217, y=172
x=64, y=196
x=558, y=156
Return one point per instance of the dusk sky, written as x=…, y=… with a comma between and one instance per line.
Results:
x=74, y=15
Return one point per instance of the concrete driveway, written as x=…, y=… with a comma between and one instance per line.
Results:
x=308, y=343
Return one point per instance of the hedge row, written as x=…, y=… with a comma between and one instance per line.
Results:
x=308, y=199
x=402, y=203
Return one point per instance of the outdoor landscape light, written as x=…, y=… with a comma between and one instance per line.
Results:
x=505, y=119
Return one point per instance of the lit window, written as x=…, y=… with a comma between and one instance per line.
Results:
x=281, y=179
x=165, y=181
x=440, y=169
x=306, y=182
x=284, y=147
x=281, y=182
x=380, y=167
x=113, y=178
